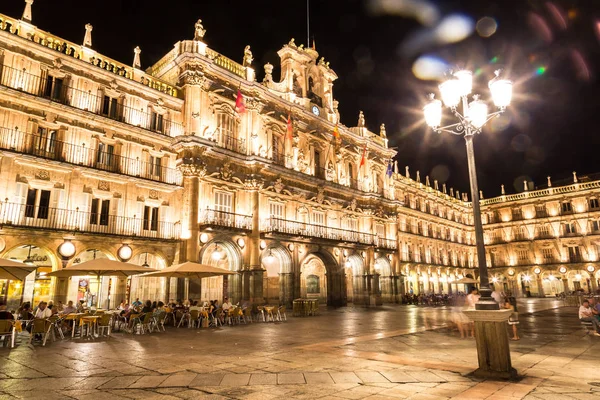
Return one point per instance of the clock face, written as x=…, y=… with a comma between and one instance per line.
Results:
x=316, y=110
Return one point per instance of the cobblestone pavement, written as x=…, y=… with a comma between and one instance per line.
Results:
x=393, y=352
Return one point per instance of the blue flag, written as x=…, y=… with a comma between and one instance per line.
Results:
x=389, y=171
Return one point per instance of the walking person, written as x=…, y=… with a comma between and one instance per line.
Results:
x=513, y=320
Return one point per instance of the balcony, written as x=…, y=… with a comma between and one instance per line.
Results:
x=230, y=142
x=48, y=147
x=55, y=91
x=223, y=219
x=281, y=159
x=386, y=243
x=278, y=225
x=22, y=215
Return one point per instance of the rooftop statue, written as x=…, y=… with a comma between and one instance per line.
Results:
x=199, y=30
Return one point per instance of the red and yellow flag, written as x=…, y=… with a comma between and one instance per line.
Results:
x=240, y=107
x=363, y=159
x=336, y=133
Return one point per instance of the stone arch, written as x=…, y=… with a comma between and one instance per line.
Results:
x=219, y=287
x=278, y=282
x=383, y=266
x=88, y=288
x=36, y=286
x=335, y=282
x=354, y=270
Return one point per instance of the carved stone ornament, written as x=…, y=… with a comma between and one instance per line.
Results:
x=104, y=185
x=254, y=182
x=278, y=186
x=226, y=171
x=352, y=205
x=42, y=175
x=57, y=63
x=195, y=77
x=159, y=107
x=153, y=194
x=320, y=195
x=192, y=166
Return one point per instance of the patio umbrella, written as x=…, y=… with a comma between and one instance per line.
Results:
x=188, y=269
x=100, y=267
x=15, y=270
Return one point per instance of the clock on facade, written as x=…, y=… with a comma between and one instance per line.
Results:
x=316, y=110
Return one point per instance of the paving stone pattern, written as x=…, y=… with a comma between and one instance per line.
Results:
x=393, y=352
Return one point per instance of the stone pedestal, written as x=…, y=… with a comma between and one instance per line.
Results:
x=493, y=351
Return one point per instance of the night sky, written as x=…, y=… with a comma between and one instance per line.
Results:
x=551, y=51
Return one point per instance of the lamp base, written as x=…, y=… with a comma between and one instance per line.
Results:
x=493, y=351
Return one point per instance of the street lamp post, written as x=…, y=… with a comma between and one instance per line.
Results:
x=474, y=116
x=493, y=351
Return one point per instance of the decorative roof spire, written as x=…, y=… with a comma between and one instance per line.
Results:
x=435, y=185
x=418, y=177
x=452, y=192
x=136, y=58
x=549, y=182
x=525, y=188
x=574, y=177
x=406, y=172
x=444, y=188
x=87, y=39
x=481, y=195
x=27, y=12
x=427, y=181
x=395, y=166
x=502, y=191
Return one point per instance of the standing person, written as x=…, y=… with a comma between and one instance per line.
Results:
x=471, y=300
x=496, y=295
x=513, y=320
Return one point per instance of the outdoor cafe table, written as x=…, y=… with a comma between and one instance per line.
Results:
x=91, y=320
x=73, y=317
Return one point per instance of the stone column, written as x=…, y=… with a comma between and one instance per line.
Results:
x=593, y=283
x=357, y=289
x=493, y=351
x=193, y=80
x=565, y=284
x=540, y=286
x=61, y=286
x=286, y=289
x=376, y=293
x=254, y=183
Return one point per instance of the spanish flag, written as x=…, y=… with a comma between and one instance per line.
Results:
x=240, y=107
x=363, y=159
x=336, y=133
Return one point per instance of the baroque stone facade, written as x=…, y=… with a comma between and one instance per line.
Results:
x=170, y=162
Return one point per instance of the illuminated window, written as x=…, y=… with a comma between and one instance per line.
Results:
x=548, y=255
x=566, y=207
x=594, y=204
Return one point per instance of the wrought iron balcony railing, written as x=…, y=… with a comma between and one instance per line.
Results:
x=46, y=145
x=226, y=219
x=386, y=243
x=229, y=142
x=39, y=217
x=280, y=225
x=55, y=90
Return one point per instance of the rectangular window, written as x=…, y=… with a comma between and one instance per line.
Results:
x=595, y=226
x=37, y=203
x=110, y=107
x=156, y=122
x=569, y=228
x=99, y=212
x=543, y=231
x=276, y=210
x=223, y=207
x=150, y=218
x=540, y=211
x=517, y=214
x=594, y=204
x=380, y=230
x=155, y=167
x=574, y=254
x=566, y=207
x=523, y=256
x=548, y=255
x=105, y=156
x=44, y=143
x=278, y=152
x=53, y=88
x=318, y=219
x=319, y=171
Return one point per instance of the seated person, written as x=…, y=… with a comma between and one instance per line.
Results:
x=4, y=314
x=227, y=304
x=147, y=307
x=586, y=315
x=80, y=307
x=69, y=309
x=160, y=309
x=122, y=305
x=43, y=311
x=195, y=307
x=24, y=312
x=137, y=303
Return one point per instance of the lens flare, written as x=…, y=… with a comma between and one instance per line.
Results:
x=454, y=28
x=486, y=26
x=541, y=70
x=429, y=67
